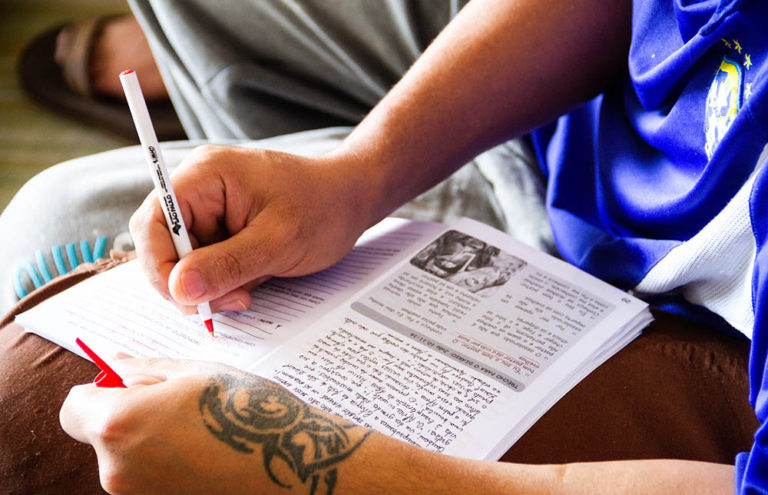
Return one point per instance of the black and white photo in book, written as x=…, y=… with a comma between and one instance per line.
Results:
x=510, y=324
x=468, y=262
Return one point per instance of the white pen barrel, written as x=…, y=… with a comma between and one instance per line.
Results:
x=151, y=149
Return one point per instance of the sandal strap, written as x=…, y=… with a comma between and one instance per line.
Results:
x=74, y=51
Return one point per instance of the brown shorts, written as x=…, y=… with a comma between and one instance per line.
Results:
x=678, y=391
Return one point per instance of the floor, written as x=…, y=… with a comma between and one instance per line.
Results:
x=32, y=137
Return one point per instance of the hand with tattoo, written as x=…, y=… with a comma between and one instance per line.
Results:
x=185, y=427
x=250, y=413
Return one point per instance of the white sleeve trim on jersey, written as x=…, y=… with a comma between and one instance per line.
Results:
x=714, y=268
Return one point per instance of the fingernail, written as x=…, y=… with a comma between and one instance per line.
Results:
x=233, y=305
x=192, y=283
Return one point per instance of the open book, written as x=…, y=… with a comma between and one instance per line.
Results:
x=454, y=338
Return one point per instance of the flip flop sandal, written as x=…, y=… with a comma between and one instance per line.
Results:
x=66, y=88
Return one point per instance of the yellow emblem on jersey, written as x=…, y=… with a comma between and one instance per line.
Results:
x=723, y=103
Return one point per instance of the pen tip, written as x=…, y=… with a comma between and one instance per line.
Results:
x=209, y=326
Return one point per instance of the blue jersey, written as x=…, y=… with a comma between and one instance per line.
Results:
x=659, y=184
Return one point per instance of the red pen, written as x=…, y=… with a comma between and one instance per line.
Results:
x=108, y=377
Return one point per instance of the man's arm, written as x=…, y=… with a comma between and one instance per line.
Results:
x=184, y=427
x=500, y=68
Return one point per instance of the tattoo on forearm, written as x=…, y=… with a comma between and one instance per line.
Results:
x=246, y=412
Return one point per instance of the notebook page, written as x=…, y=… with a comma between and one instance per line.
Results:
x=119, y=311
x=460, y=348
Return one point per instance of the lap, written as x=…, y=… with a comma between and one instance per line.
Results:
x=96, y=195
x=678, y=391
x=257, y=68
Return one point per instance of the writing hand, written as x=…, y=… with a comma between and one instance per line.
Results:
x=254, y=214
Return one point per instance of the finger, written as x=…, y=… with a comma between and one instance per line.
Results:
x=154, y=246
x=238, y=299
x=267, y=246
x=84, y=409
x=135, y=380
x=201, y=195
x=131, y=377
x=157, y=370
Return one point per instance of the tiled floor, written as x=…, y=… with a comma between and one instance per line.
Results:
x=32, y=137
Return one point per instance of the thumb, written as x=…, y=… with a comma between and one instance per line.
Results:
x=212, y=271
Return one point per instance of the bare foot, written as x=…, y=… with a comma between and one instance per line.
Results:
x=122, y=45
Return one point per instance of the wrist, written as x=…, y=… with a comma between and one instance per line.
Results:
x=366, y=182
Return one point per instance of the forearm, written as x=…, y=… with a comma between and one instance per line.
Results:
x=499, y=69
x=386, y=466
x=330, y=455
x=216, y=430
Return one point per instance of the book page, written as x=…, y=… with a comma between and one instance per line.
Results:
x=460, y=348
x=119, y=311
x=282, y=307
x=454, y=339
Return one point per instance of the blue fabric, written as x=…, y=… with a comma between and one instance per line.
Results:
x=752, y=468
x=643, y=167
x=36, y=280
x=85, y=251
x=18, y=284
x=99, y=247
x=74, y=261
x=58, y=259
x=42, y=265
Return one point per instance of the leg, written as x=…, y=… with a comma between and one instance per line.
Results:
x=76, y=200
x=287, y=66
x=260, y=68
x=121, y=44
x=679, y=391
x=36, y=456
x=96, y=195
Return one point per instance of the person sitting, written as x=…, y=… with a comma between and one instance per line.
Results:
x=613, y=97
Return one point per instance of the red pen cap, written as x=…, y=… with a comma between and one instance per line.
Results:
x=108, y=377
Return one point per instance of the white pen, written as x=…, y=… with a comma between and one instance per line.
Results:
x=165, y=195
